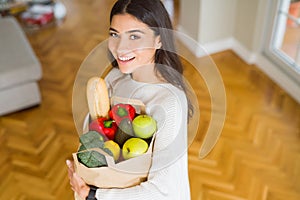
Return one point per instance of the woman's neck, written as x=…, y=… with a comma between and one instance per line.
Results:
x=147, y=74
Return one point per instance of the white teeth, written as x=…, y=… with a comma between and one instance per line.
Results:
x=125, y=58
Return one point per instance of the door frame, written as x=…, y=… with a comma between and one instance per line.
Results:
x=283, y=62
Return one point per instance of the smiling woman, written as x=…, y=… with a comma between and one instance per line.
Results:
x=147, y=68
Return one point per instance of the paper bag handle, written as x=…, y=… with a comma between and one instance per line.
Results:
x=135, y=102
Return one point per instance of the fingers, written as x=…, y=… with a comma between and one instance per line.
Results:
x=71, y=174
x=70, y=168
x=76, y=182
x=70, y=164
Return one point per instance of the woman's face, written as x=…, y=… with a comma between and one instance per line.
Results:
x=132, y=43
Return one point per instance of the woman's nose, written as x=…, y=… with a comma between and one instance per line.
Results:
x=123, y=46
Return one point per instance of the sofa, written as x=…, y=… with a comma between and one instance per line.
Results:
x=20, y=69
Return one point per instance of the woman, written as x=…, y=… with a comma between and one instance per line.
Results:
x=147, y=68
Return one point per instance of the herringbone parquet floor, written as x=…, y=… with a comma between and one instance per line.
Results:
x=256, y=158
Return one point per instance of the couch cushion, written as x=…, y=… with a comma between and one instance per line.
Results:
x=20, y=97
x=18, y=62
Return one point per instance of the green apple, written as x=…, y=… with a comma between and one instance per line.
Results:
x=144, y=126
x=113, y=147
x=134, y=147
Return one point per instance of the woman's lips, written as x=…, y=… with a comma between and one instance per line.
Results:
x=125, y=59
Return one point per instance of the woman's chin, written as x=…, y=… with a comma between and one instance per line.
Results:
x=124, y=71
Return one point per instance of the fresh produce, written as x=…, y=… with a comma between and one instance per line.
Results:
x=144, y=126
x=92, y=139
x=117, y=130
x=134, y=147
x=114, y=148
x=91, y=158
x=130, y=138
x=104, y=126
x=124, y=132
x=97, y=98
x=122, y=111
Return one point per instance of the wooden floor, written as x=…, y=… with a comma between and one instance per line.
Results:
x=256, y=158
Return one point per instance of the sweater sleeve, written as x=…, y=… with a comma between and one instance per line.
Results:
x=168, y=176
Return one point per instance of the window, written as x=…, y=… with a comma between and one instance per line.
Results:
x=284, y=44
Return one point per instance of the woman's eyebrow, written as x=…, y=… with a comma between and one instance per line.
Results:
x=112, y=29
x=134, y=31
x=130, y=31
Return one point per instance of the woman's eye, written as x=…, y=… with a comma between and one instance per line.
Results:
x=134, y=37
x=114, y=35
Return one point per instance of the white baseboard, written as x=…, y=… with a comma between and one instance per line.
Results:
x=199, y=49
x=278, y=76
x=266, y=66
x=233, y=44
x=248, y=56
x=215, y=47
x=218, y=46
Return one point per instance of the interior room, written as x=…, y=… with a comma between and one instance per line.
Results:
x=242, y=59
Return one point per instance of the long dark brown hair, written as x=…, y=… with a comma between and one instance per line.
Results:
x=154, y=14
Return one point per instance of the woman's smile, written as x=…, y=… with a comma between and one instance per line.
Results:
x=124, y=60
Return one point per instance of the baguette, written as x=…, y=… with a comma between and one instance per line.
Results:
x=97, y=98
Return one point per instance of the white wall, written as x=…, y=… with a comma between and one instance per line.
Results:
x=245, y=22
x=190, y=17
x=216, y=24
x=207, y=21
x=220, y=12
x=239, y=25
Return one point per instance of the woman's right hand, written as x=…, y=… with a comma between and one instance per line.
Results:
x=77, y=183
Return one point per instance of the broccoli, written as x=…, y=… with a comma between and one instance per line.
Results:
x=91, y=158
x=92, y=139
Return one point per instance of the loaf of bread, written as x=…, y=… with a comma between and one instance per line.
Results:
x=97, y=98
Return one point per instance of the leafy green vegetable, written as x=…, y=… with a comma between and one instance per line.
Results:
x=92, y=158
x=92, y=139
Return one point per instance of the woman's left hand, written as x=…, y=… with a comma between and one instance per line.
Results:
x=77, y=183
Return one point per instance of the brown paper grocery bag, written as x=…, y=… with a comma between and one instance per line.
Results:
x=124, y=174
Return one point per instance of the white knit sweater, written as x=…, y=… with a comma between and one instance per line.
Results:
x=168, y=177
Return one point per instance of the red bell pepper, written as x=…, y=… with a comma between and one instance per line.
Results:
x=121, y=111
x=104, y=126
